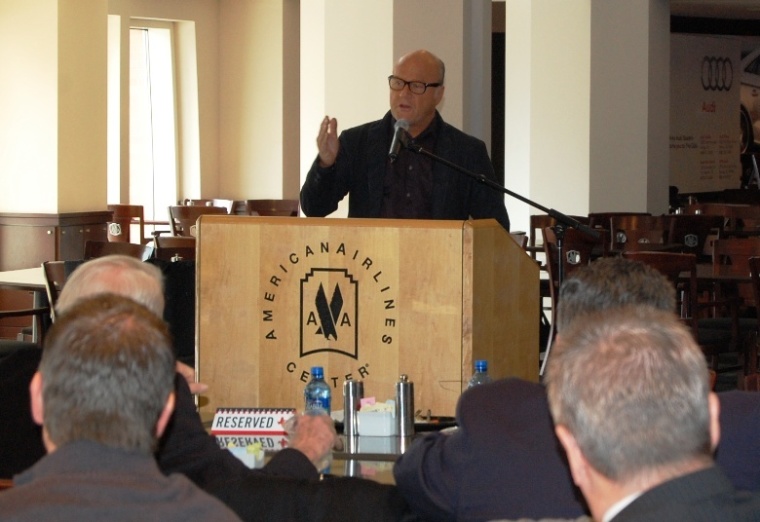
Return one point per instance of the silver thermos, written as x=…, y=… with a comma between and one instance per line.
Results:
x=353, y=392
x=405, y=406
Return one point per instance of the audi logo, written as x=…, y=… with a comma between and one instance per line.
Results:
x=717, y=73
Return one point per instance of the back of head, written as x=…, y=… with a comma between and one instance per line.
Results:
x=107, y=369
x=117, y=274
x=631, y=385
x=612, y=282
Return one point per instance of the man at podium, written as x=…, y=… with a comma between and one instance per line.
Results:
x=385, y=179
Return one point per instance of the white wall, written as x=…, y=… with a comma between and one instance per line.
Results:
x=547, y=106
x=52, y=98
x=630, y=107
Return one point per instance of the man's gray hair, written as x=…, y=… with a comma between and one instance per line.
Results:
x=122, y=275
x=107, y=370
x=632, y=387
x=612, y=282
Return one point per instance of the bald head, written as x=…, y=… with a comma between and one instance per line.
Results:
x=121, y=275
x=418, y=109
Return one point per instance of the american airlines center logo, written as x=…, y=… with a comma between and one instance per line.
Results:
x=338, y=299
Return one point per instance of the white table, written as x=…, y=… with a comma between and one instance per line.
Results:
x=31, y=279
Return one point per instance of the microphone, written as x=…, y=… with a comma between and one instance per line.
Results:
x=399, y=138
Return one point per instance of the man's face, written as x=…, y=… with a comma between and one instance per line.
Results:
x=417, y=109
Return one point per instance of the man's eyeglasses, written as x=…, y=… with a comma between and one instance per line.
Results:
x=397, y=84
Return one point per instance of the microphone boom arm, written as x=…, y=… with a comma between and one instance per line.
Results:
x=482, y=178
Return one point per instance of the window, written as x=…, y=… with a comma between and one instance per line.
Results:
x=152, y=129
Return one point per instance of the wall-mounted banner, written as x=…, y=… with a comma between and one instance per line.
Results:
x=705, y=77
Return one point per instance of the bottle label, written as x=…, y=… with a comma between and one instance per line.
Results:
x=318, y=403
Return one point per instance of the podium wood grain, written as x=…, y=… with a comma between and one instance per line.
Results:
x=419, y=297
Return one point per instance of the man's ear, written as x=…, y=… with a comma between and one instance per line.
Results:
x=166, y=414
x=35, y=395
x=713, y=404
x=575, y=458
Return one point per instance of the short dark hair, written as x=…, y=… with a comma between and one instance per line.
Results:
x=612, y=282
x=107, y=370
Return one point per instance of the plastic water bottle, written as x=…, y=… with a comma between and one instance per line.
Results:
x=481, y=374
x=317, y=392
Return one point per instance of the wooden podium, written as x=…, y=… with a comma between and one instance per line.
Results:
x=366, y=299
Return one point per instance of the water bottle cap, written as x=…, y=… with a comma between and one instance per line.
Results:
x=481, y=365
x=317, y=372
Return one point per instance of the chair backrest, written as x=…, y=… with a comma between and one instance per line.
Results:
x=56, y=274
x=93, y=249
x=182, y=218
x=737, y=217
x=693, y=230
x=272, y=207
x=602, y=219
x=538, y=222
x=124, y=216
x=636, y=231
x=174, y=248
x=732, y=255
x=578, y=250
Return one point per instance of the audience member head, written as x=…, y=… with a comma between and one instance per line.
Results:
x=122, y=275
x=629, y=393
x=612, y=282
x=106, y=375
x=417, y=108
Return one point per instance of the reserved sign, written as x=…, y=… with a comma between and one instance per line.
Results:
x=251, y=421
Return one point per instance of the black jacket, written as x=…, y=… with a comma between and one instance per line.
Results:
x=362, y=164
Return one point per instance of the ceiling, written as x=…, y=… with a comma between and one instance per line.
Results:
x=729, y=9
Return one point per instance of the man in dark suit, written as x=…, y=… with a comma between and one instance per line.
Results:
x=413, y=186
x=630, y=398
x=504, y=461
x=103, y=394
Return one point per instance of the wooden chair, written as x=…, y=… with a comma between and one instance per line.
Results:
x=272, y=207
x=579, y=249
x=182, y=218
x=673, y=265
x=636, y=232
x=738, y=218
x=39, y=314
x=731, y=255
x=602, y=219
x=56, y=274
x=175, y=248
x=124, y=216
x=734, y=304
x=538, y=222
x=93, y=249
x=692, y=231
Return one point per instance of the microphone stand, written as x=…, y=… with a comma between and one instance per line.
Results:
x=563, y=220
